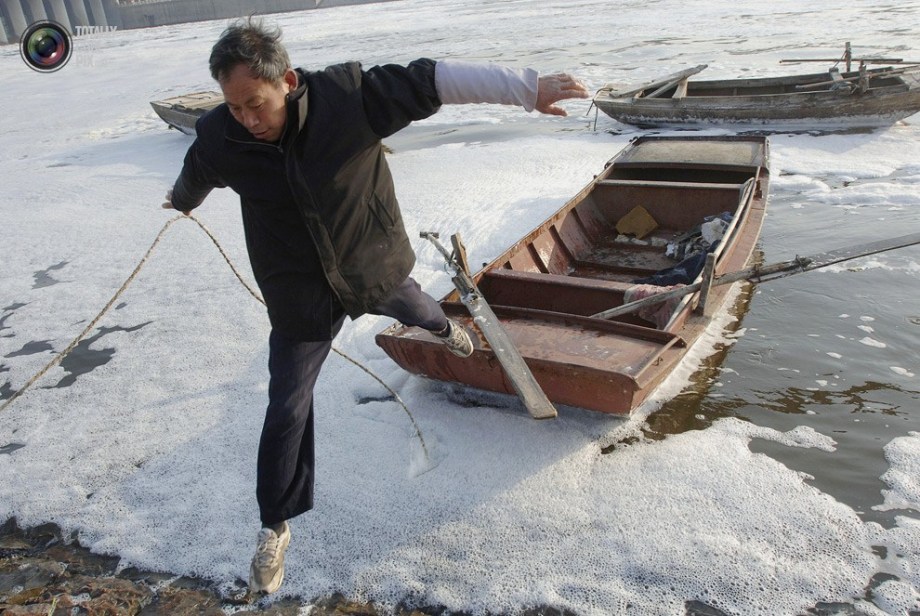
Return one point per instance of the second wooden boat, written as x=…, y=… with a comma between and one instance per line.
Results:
x=835, y=99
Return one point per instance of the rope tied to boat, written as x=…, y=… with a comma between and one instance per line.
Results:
x=58, y=358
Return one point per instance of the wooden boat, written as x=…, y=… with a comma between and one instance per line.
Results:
x=181, y=112
x=849, y=99
x=548, y=287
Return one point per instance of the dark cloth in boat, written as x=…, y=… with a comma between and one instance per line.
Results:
x=692, y=248
x=683, y=273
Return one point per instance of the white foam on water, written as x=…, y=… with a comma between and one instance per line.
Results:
x=903, y=476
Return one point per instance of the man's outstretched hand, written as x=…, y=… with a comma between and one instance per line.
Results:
x=553, y=88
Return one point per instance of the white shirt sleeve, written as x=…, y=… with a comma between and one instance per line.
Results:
x=461, y=82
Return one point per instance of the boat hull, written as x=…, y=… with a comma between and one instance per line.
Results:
x=182, y=112
x=547, y=287
x=779, y=101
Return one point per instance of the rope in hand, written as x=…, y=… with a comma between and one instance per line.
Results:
x=60, y=356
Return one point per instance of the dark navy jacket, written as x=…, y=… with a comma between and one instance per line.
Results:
x=323, y=228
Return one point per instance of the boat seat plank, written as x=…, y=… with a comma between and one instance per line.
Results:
x=564, y=341
x=669, y=184
x=553, y=292
x=560, y=281
x=690, y=151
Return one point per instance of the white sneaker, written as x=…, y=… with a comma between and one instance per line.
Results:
x=267, y=570
x=457, y=339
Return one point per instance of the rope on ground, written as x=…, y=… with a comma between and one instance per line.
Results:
x=60, y=356
x=92, y=324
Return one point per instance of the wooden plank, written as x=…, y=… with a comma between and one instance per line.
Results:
x=664, y=88
x=670, y=79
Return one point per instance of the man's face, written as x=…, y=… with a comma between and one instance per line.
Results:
x=258, y=104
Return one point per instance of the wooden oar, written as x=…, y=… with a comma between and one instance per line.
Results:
x=510, y=359
x=761, y=273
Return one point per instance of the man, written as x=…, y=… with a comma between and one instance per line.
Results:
x=323, y=228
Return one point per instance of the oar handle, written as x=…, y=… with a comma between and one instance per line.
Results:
x=432, y=236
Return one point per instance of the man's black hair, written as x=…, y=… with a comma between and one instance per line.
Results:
x=252, y=44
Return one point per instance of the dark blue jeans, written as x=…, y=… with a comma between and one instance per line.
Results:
x=285, y=471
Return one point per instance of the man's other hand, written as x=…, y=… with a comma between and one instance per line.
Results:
x=168, y=205
x=554, y=88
